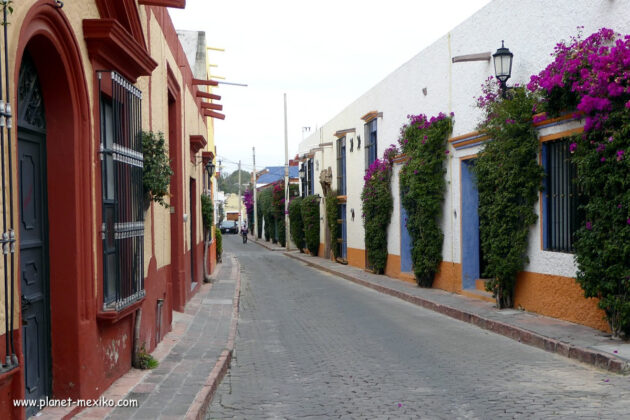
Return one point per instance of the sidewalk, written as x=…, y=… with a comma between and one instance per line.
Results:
x=571, y=340
x=193, y=358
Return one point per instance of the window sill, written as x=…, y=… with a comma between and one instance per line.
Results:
x=112, y=317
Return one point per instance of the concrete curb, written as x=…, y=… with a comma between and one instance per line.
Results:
x=202, y=400
x=262, y=243
x=592, y=357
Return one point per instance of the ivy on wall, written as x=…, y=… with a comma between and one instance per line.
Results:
x=207, y=212
x=508, y=179
x=332, y=216
x=264, y=201
x=378, y=205
x=310, y=218
x=422, y=188
x=591, y=75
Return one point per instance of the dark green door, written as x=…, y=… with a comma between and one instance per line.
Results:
x=33, y=221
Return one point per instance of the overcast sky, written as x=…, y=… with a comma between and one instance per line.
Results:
x=322, y=54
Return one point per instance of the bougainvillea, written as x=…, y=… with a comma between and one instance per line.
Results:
x=378, y=204
x=592, y=75
x=422, y=186
x=310, y=218
x=508, y=181
x=296, y=223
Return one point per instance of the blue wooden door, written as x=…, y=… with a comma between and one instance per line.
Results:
x=471, y=251
x=406, y=265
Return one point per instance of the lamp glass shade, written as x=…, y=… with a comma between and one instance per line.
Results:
x=210, y=168
x=503, y=63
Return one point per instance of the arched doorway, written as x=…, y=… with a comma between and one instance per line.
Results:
x=33, y=224
x=62, y=185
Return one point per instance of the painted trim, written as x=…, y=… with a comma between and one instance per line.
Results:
x=341, y=133
x=468, y=140
x=371, y=115
x=178, y=4
x=565, y=117
x=109, y=43
x=566, y=133
x=197, y=142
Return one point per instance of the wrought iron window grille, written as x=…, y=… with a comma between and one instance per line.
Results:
x=123, y=208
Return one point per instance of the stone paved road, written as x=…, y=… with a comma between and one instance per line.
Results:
x=310, y=345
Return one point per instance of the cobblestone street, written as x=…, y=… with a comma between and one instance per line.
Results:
x=312, y=345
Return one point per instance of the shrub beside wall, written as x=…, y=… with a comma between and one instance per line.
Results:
x=297, y=225
x=310, y=218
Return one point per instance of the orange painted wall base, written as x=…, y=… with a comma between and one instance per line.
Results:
x=557, y=297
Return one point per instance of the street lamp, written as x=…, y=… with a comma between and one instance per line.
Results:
x=503, y=66
x=303, y=178
x=210, y=168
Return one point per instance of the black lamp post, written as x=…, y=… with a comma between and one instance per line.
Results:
x=303, y=178
x=503, y=66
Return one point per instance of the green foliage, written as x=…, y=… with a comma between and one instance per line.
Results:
x=157, y=172
x=229, y=183
x=219, y=239
x=207, y=213
x=296, y=223
x=310, y=217
x=378, y=205
x=508, y=180
x=264, y=201
x=332, y=211
x=422, y=187
x=145, y=360
x=259, y=212
x=277, y=209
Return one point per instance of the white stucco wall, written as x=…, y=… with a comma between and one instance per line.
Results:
x=530, y=29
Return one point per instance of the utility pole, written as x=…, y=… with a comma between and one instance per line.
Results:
x=286, y=177
x=239, y=195
x=255, y=194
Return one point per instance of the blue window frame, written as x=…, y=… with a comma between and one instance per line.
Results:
x=371, y=143
x=311, y=177
x=341, y=166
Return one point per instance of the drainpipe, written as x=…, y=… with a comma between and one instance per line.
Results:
x=206, y=246
x=135, y=362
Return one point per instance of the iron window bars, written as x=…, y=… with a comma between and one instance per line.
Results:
x=123, y=208
x=563, y=216
x=8, y=233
